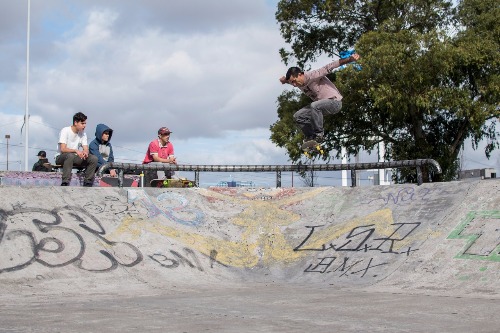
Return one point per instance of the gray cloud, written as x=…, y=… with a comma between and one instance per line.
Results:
x=202, y=69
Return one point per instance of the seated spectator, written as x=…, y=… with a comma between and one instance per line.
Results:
x=74, y=151
x=101, y=147
x=160, y=151
x=43, y=163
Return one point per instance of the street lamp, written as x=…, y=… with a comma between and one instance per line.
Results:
x=26, y=112
x=7, y=137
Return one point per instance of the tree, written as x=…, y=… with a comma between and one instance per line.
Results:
x=429, y=78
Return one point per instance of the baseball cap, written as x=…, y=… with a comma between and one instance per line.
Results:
x=42, y=153
x=164, y=130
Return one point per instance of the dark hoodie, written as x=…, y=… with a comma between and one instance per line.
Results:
x=103, y=150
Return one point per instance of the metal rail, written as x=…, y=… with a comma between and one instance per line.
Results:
x=121, y=167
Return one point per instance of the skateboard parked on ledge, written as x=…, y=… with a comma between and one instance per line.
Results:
x=108, y=181
x=174, y=182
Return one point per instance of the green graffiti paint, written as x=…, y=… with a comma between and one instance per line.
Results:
x=461, y=232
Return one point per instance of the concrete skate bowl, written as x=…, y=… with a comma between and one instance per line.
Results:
x=438, y=238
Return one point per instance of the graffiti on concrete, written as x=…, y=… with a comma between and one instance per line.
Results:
x=369, y=240
x=481, y=231
x=361, y=239
x=357, y=239
x=249, y=232
x=253, y=193
x=260, y=222
x=169, y=204
x=60, y=237
x=24, y=178
x=403, y=196
x=112, y=205
x=21, y=178
x=177, y=259
x=345, y=268
x=189, y=259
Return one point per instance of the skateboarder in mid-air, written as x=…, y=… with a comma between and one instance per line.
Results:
x=325, y=95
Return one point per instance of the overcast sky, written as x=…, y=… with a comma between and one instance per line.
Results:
x=208, y=70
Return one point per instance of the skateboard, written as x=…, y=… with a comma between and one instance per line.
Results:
x=311, y=148
x=107, y=181
x=174, y=182
x=57, y=167
x=51, y=167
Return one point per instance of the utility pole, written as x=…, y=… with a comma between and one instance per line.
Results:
x=7, y=137
x=26, y=113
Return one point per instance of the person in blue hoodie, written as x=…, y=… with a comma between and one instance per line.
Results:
x=101, y=147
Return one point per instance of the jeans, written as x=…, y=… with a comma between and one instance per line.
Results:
x=310, y=118
x=150, y=175
x=68, y=160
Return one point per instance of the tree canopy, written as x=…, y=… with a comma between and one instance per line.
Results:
x=429, y=76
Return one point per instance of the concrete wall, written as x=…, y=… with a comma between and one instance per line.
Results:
x=440, y=237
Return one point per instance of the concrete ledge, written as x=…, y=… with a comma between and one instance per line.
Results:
x=31, y=178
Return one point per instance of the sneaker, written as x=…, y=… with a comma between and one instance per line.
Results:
x=88, y=184
x=64, y=184
x=319, y=138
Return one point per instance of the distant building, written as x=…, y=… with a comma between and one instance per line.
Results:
x=234, y=183
x=477, y=173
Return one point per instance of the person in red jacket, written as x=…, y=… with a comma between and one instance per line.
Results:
x=160, y=150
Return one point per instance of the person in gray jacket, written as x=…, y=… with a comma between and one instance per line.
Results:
x=101, y=147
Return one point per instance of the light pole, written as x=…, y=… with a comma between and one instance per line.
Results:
x=26, y=113
x=7, y=137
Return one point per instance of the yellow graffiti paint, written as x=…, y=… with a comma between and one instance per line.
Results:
x=262, y=239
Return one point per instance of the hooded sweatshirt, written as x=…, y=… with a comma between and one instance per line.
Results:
x=103, y=150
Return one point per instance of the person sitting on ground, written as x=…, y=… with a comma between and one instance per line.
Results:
x=74, y=151
x=160, y=150
x=43, y=163
x=101, y=147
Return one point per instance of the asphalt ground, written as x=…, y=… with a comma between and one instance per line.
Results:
x=253, y=308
